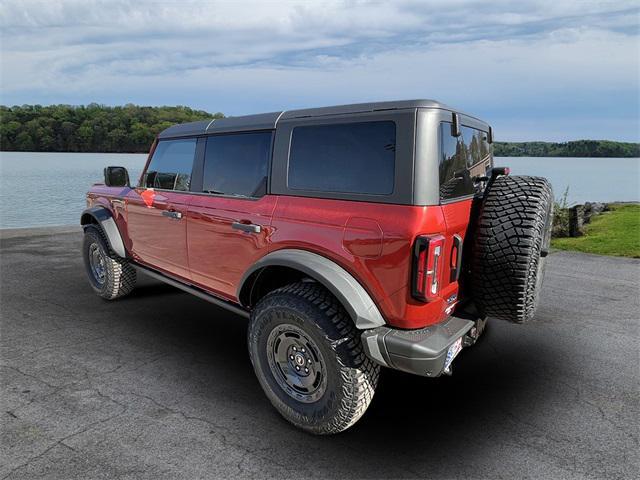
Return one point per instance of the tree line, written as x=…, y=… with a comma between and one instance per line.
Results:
x=132, y=128
x=90, y=128
x=578, y=148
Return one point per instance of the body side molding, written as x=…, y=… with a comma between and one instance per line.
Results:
x=336, y=279
x=105, y=219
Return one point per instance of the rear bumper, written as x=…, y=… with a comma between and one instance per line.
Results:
x=421, y=352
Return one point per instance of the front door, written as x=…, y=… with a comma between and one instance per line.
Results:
x=229, y=222
x=157, y=209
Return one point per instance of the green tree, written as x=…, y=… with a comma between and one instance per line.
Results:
x=90, y=128
x=25, y=142
x=577, y=148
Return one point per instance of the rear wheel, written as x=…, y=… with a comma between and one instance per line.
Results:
x=308, y=357
x=510, y=247
x=109, y=275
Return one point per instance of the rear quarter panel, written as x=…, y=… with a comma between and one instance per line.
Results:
x=372, y=241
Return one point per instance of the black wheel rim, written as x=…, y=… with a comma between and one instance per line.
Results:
x=296, y=363
x=97, y=263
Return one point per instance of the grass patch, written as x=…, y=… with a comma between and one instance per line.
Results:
x=616, y=232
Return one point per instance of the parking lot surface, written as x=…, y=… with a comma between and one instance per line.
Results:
x=159, y=385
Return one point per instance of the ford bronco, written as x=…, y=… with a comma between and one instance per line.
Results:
x=353, y=238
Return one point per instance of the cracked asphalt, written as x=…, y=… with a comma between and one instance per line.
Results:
x=159, y=385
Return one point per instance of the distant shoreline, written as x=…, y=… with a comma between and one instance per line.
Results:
x=131, y=128
x=146, y=153
x=573, y=149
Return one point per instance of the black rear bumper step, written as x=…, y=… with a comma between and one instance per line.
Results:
x=421, y=352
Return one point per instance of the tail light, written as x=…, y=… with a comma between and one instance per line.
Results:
x=428, y=254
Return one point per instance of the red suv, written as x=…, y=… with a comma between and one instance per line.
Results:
x=352, y=237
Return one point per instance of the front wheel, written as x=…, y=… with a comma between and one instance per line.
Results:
x=109, y=275
x=308, y=357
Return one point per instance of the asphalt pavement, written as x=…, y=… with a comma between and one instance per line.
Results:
x=159, y=385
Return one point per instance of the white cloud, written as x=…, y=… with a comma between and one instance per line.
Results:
x=502, y=60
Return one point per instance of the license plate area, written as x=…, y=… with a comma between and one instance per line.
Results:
x=452, y=352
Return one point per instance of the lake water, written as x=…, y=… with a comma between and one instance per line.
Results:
x=41, y=189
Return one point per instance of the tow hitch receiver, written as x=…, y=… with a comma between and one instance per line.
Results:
x=428, y=351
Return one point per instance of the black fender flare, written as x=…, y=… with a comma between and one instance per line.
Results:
x=103, y=217
x=332, y=276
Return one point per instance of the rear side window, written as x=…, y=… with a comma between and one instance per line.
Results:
x=348, y=157
x=171, y=165
x=237, y=164
x=462, y=159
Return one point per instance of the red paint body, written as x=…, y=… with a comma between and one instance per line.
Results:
x=371, y=241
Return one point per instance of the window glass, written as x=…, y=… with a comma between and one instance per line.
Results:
x=171, y=165
x=463, y=158
x=348, y=157
x=237, y=164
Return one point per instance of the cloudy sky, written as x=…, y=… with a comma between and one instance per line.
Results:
x=535, y=69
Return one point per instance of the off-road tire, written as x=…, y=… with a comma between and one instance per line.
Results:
x=119, y=275
x=351, y=377
x=510, y=246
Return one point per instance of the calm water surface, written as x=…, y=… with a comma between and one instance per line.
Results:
x=40, y=189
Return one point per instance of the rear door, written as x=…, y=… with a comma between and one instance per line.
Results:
x=229, y=220
x=462, y=158
x=157, y=208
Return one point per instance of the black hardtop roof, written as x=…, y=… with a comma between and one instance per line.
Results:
x=266, y=121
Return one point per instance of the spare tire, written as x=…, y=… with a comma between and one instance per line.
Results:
x=510, y=246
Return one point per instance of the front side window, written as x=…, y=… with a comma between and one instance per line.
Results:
x=346, y=158
x=171, y=165
x=237, y=164
x=462, y=159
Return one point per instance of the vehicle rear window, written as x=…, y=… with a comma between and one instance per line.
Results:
x=237, y=164
x=171, y=165
x=462, y=159
x=348, y=157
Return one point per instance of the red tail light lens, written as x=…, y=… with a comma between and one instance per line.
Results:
x=428, y=255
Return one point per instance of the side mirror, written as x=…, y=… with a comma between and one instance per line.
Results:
x=116, y=177
x=455, y=125
x=490, y=135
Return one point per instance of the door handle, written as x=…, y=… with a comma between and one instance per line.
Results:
x=172, y=214
x=246, y=227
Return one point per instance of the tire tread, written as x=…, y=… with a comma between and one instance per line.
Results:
x=506, y=252
x=121, y=275
x=359, y=374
